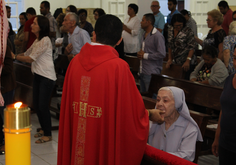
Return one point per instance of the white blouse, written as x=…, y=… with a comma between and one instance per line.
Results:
x=132, y=41
x=41, y=53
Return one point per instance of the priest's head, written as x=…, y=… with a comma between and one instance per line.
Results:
x=108, y=29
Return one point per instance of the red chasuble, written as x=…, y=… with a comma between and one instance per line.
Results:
x=103, y=120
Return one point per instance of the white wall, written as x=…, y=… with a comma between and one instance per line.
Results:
x=231, y=2
x=144, y=7
x=54, y=4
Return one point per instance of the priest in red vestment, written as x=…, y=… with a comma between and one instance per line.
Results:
x=103, y=120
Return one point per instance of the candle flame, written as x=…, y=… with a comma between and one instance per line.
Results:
x=17, y=105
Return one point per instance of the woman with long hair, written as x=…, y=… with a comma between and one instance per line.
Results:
x=40, y=55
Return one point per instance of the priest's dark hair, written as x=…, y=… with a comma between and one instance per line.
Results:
x=44, y=26
x=108, y=29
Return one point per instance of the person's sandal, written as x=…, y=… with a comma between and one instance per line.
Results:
x=43, y=141
x=38, y=134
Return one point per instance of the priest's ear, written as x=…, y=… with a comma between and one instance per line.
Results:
x=118, y=43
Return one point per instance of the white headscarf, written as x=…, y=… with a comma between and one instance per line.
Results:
x=182, y=107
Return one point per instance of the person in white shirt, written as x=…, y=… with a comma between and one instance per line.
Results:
x=40, y=55
x=131, y=30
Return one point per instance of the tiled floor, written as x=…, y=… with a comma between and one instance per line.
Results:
x=46, y=154
x=41, y=154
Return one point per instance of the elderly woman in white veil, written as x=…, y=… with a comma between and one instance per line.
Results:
x=179, y=132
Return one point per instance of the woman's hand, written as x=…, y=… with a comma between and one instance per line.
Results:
x=193, y=79
x=13, y=55
x=58, y=45
x=1, y=100
x=215, y=147
x=186, y=65
x=169, y=62
x=140, y=54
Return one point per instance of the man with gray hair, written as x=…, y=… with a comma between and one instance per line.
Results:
x=152, y=51
x=77, y=36
x=159, y=17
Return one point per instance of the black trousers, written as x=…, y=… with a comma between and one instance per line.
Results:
x=42, y=91
x=226, y=157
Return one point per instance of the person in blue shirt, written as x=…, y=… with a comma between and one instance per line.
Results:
x=172, y=7
x=159, y=17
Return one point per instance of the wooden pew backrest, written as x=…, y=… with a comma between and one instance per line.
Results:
x=195, y=93
x=174, y=71
x=133, y=63
x=24, y=83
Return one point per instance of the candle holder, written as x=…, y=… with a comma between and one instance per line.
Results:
x=17, y=127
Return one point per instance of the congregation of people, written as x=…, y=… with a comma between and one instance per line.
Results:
x=45, y=41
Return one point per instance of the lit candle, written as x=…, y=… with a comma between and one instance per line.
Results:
x=17, y=127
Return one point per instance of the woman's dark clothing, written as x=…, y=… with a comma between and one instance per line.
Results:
x=228, y=121
x=88, y=27
x=215, y=38
x=181, y=44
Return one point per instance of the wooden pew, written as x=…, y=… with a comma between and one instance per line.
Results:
x=24, y=83
x=134, y=63
x=174, y=71
x=24, y=86
x=200, y=118
x=195, y=93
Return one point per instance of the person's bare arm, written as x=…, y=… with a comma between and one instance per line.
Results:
x=125, y=28
x=22, y=58
x=215, y=145
x=198, y=40
x=220, y=47
x=156, y=115
x=226, y=55
x=169, y=62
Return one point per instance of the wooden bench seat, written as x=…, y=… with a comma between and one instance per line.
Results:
x=174, y=71
x=195, y=93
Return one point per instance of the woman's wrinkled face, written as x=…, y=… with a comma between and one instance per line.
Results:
x=210, y=22
x=166, y=103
